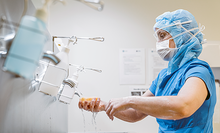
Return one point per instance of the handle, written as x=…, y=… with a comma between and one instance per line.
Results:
x=61, y=1
x=101, y=39
x=95, y=4
x=82, y=68
x=94, y=69
x=51, y=57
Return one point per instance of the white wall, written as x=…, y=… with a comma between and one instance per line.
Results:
x=124, y=24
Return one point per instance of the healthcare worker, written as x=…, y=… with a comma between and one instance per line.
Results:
x=183, y=96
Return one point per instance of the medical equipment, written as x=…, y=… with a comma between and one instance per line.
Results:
x=95, y=4
x=23, y=110
x=75, y=39
x=6, y=43
x=69, y=87
x=27, y=46
x=55, y=75
x=52, y=76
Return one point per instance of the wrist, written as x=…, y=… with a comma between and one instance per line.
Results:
x=102, y=106
x=131, y=101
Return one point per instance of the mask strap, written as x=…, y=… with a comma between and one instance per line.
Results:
x=201, y=28
x=187, y=30
x=184, y=32
x=177, y=23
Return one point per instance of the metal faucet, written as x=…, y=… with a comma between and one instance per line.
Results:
x=71, y=84
x=6, y=42
x=65, y=95
x=51, y=57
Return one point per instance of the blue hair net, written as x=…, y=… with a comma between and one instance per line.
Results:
x=188, y=47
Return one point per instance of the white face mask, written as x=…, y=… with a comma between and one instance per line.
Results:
x=164, y=51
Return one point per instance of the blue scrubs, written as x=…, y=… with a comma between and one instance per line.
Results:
x=170, y=85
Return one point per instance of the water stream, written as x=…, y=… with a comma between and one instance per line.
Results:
x=94, y=114
x=84, y=121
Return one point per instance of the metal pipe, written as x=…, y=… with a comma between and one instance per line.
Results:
x=51, y=57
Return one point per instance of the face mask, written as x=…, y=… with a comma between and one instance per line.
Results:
x=164, y=51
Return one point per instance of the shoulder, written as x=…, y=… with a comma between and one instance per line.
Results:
x=196, y=68
x=197, y=65
x=200, y=69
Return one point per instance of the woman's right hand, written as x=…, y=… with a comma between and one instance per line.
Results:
x=92, y=104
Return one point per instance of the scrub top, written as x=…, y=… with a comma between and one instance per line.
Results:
x=170, y=85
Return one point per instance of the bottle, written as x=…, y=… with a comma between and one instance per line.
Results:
x=55, y=75
x=27, y=46
x=68, y=89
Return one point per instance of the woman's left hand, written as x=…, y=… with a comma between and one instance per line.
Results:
x=116, y=105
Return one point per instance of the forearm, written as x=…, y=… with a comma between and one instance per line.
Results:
x=164, y=107
x=189, y=99
x=130, y=115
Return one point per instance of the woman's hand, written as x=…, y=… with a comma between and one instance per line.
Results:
x=92, y=104
x=116, y=105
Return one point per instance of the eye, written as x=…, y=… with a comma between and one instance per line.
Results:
x=162, y=36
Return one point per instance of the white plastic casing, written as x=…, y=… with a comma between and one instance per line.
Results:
x=55, y=75
x=67, y=94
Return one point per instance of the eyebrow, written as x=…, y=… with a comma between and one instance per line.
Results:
x=161, y=31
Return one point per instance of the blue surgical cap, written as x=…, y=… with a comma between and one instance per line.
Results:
x=188, y=47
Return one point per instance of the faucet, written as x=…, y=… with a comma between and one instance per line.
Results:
x=65, y=94
x=51, y=57
x=5, y=43
x=71, y=84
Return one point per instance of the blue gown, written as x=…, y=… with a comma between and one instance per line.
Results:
x=170, y=85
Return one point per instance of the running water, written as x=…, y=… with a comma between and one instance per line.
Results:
x=84, y=121
x=94, y=114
